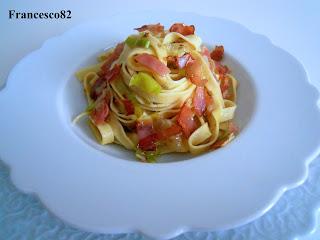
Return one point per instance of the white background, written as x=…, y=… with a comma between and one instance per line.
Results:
x=291, y=25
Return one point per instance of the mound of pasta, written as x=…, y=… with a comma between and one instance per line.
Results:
x=161, y=91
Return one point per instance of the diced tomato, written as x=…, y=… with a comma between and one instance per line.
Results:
x=182, y=29
x=194, y=73
x=113, y=73
x=205, y=52
x=199, y=101
x=225, y=94
x=173, y=130
x=152, y=63
x=172, y=62
x=168, y=132
x=154, y=28
x=233, y=128
x=178, y=62
x=146, y=135
x=97, y=88
x=118, y=50
x=148, y=138
x=144, y=128
x=221, y=69
x=148, y=143
x=100, y=112
x=128, y=105
x=218, y=144
x=217, y=53
x=225, y=85
x=101, y=82
x=112, y=57
x=186, y=120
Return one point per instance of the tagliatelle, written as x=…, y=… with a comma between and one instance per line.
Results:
x=160, y=92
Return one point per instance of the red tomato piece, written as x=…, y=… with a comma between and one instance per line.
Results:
x=144, y=128
x=154, y=28
x=205, y=52
x=218, y=144
x=221, y=69
x=100, y=112
x=168, y=132
x=217, y=53
x=152, y=63
x=194, y=73
x=199, y=101
x=97, y=88
x=178, y=62
x=172, y=62
x=233, y=128
x=112, y=57
x=148, y=143
x=128, y=105
x=224, y=83
x=182, y=29
x=186, y=120
x=113, y=73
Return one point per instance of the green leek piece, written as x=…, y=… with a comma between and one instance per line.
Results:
x=143, y=42
x=151, y=156
x=133, y=41
x=145, y=82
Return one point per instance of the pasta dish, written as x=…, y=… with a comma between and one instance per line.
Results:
x=161, y=91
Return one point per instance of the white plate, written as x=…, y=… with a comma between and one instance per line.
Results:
x=96, y=188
